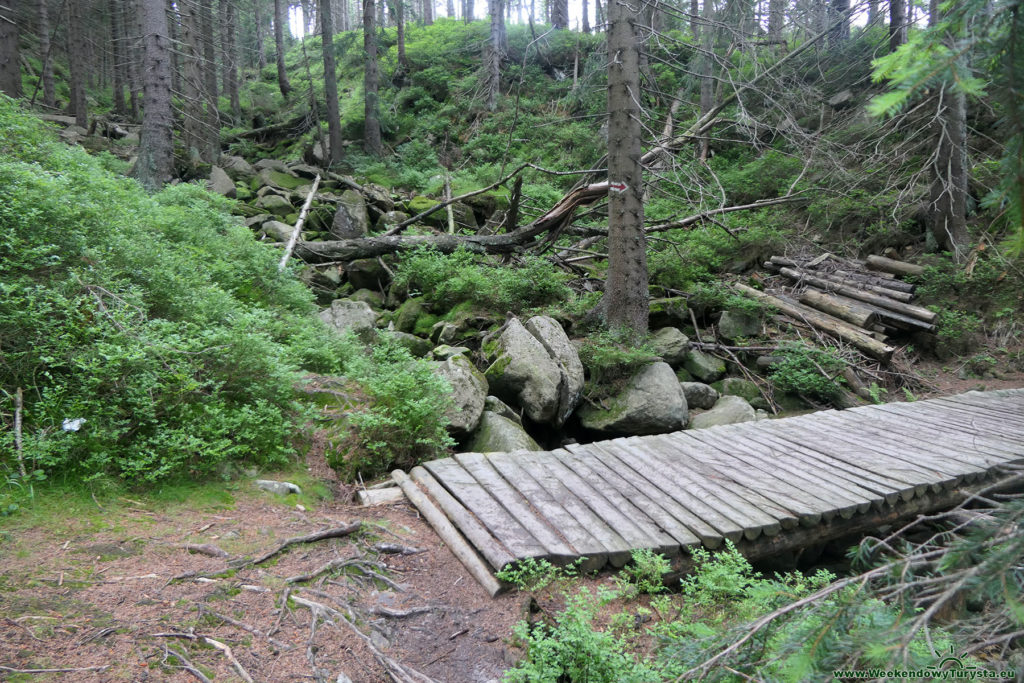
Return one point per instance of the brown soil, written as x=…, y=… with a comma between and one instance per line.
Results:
x=77, y=597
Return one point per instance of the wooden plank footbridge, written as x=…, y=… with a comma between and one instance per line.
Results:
x=768, y=486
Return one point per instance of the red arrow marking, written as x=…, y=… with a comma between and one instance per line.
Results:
x=618, y=187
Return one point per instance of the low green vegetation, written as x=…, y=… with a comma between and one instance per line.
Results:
x=808, y=371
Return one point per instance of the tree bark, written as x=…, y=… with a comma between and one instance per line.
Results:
x=705, y=68
x=117, y=48
x=626, y=286
x=261, y=48
x=231, y=58
x=450, y=8
x=897, y=23
x=428, y=12
x=77, y=65
x=45, y=50
x=776, y=18
x=399, y=7
x=493, y=53
x=371, y=84
x=586, y=17
x=155, y=164
x=559, y=14
x=838, y=17
x=10, y=57
x=330, y=83
x=280, y=21
x=467, y=10
x=211, y=131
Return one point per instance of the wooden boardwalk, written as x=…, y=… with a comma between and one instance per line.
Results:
x=768, y=486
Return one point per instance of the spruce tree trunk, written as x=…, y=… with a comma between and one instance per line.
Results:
x=560, y=13
x=493, y=53
x=467, y=10
x=428, y=12
x=586, y=17
x=625, y=296
x=211, y=131
x=330, y=83
x=451, y=9
x=399, y=6
x=897, y=23
x=45, y=53
x=76, y=59
x=872, y=11
x=280, y=21
x=705, y=69
x=261, y=48
x=10, y=59
x=155, y=164
x=776, y=18
x=231, y=58
x=841, y=33
x=117, y=48
x=371, y=84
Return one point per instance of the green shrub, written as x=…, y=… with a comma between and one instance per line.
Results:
x=644, y=574
x=402, y=422
x=450, y=279
x=158, y=320
x=808, y=371
x=612, y=355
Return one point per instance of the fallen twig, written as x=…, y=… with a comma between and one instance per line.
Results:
x=226, y=651
x=336, y=532
x=207, y=549
x=245, y=627
x=186, y=664
x=65, y=670
x=396, y=549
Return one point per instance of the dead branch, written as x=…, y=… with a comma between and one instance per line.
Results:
x=186, y=664
x=297, y=230
x=226, y=651
x=397, y=549
x=399, y=614
x=18, y=448
x=12, y=670
x=245, y=627
x=330, y=566
x=207, y=549
x=336, y=532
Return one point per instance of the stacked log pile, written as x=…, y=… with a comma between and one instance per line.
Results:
x=862, y=303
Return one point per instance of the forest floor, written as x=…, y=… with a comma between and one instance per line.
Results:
x=86, y=582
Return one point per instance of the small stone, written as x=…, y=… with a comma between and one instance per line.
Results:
x=726, y=411
x=699, y=395
x=703, y=366
x=221, y=183
x=495, y=405
x=281, y=488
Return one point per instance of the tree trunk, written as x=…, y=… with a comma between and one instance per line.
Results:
x=230, y=32
x=428, y=12
x=467, y=10
x=559, y=13
x=136, y=56
x=776, y=18
x=371, y=84
x=45, y=50
x=705, y=68
x=897, y=23
x=155, y=164
x=117, y=47
x=330, y=83
x=948, y=209
x=626, y=286
x=695, y=19
x=399, y=6
x=840, y=33
x=191, y=79
x=872, y=12
x=261, y=48
x=211, y=131
x=451, y=9
x=10, y=58
x=280, y=21
x=586, y=17
x=493, y=53
x=78, y=67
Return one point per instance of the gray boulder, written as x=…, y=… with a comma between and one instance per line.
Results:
x=272, y=164
x=275, y=204
x=417, y=346
x=305, y=171
x=220, y=182
x=497, y=434
x=737, y=386
x=444, y=352
x=281, y=488
x=523, y=372
x=351, y=218
x=493, y=404
x=236, y=166
x=555, y=341
x=277, y=231
x=354, y=316
x=699, y=395
x=671, y=344
x=653, y=402
x=726, y=411
x=367, y=273
x=703, y=366
x=469, y=389
x=390, y=219
x=735, y=324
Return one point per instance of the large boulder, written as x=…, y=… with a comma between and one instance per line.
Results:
x=523, y=373
x=554, y=340
x=726, y=411
x=469, y=389
x=671, y=344
x=699, y=395
x=367, y=273
x=274, y=204
x=736, y=324
x=277, y=231
x=407, y=313
x=493, y=404
x=351, y=219
x=703, y=366
x=355, y=316
x=269, y=177
x=274, y=164
x=497, y=434
x=415, y=345
x=737, y=386
x=653, y=402
x=236, y=167
x=220, y=182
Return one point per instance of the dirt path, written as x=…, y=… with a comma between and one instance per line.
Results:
x=95, y=593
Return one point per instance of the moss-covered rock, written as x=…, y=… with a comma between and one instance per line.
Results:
x=407, y=314
x=497, y=434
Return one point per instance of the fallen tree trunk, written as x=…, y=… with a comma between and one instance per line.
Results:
x=824, y=322
x=828, y=282
x=879, y=300
x=845, y=309
x=888, y=265
x=887, y=283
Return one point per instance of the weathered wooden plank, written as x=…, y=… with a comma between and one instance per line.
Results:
x=855, y=483
x=988, y=434
x=706, y=534
x=482, y=470
x=448, y=533
x=781, y=506
x=537, y=464
x=809, y=443
x=1012, y=410
x=773, y=476
x=1008, y=423
x=692, y=491
x=679, y=489
x=502, y=525
x=653, y=536
x=496, y=554
x=976, y=453
x=855, y=429
x=616, y=518
x=596, y=460
x=582, y=542
x=816, y=432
